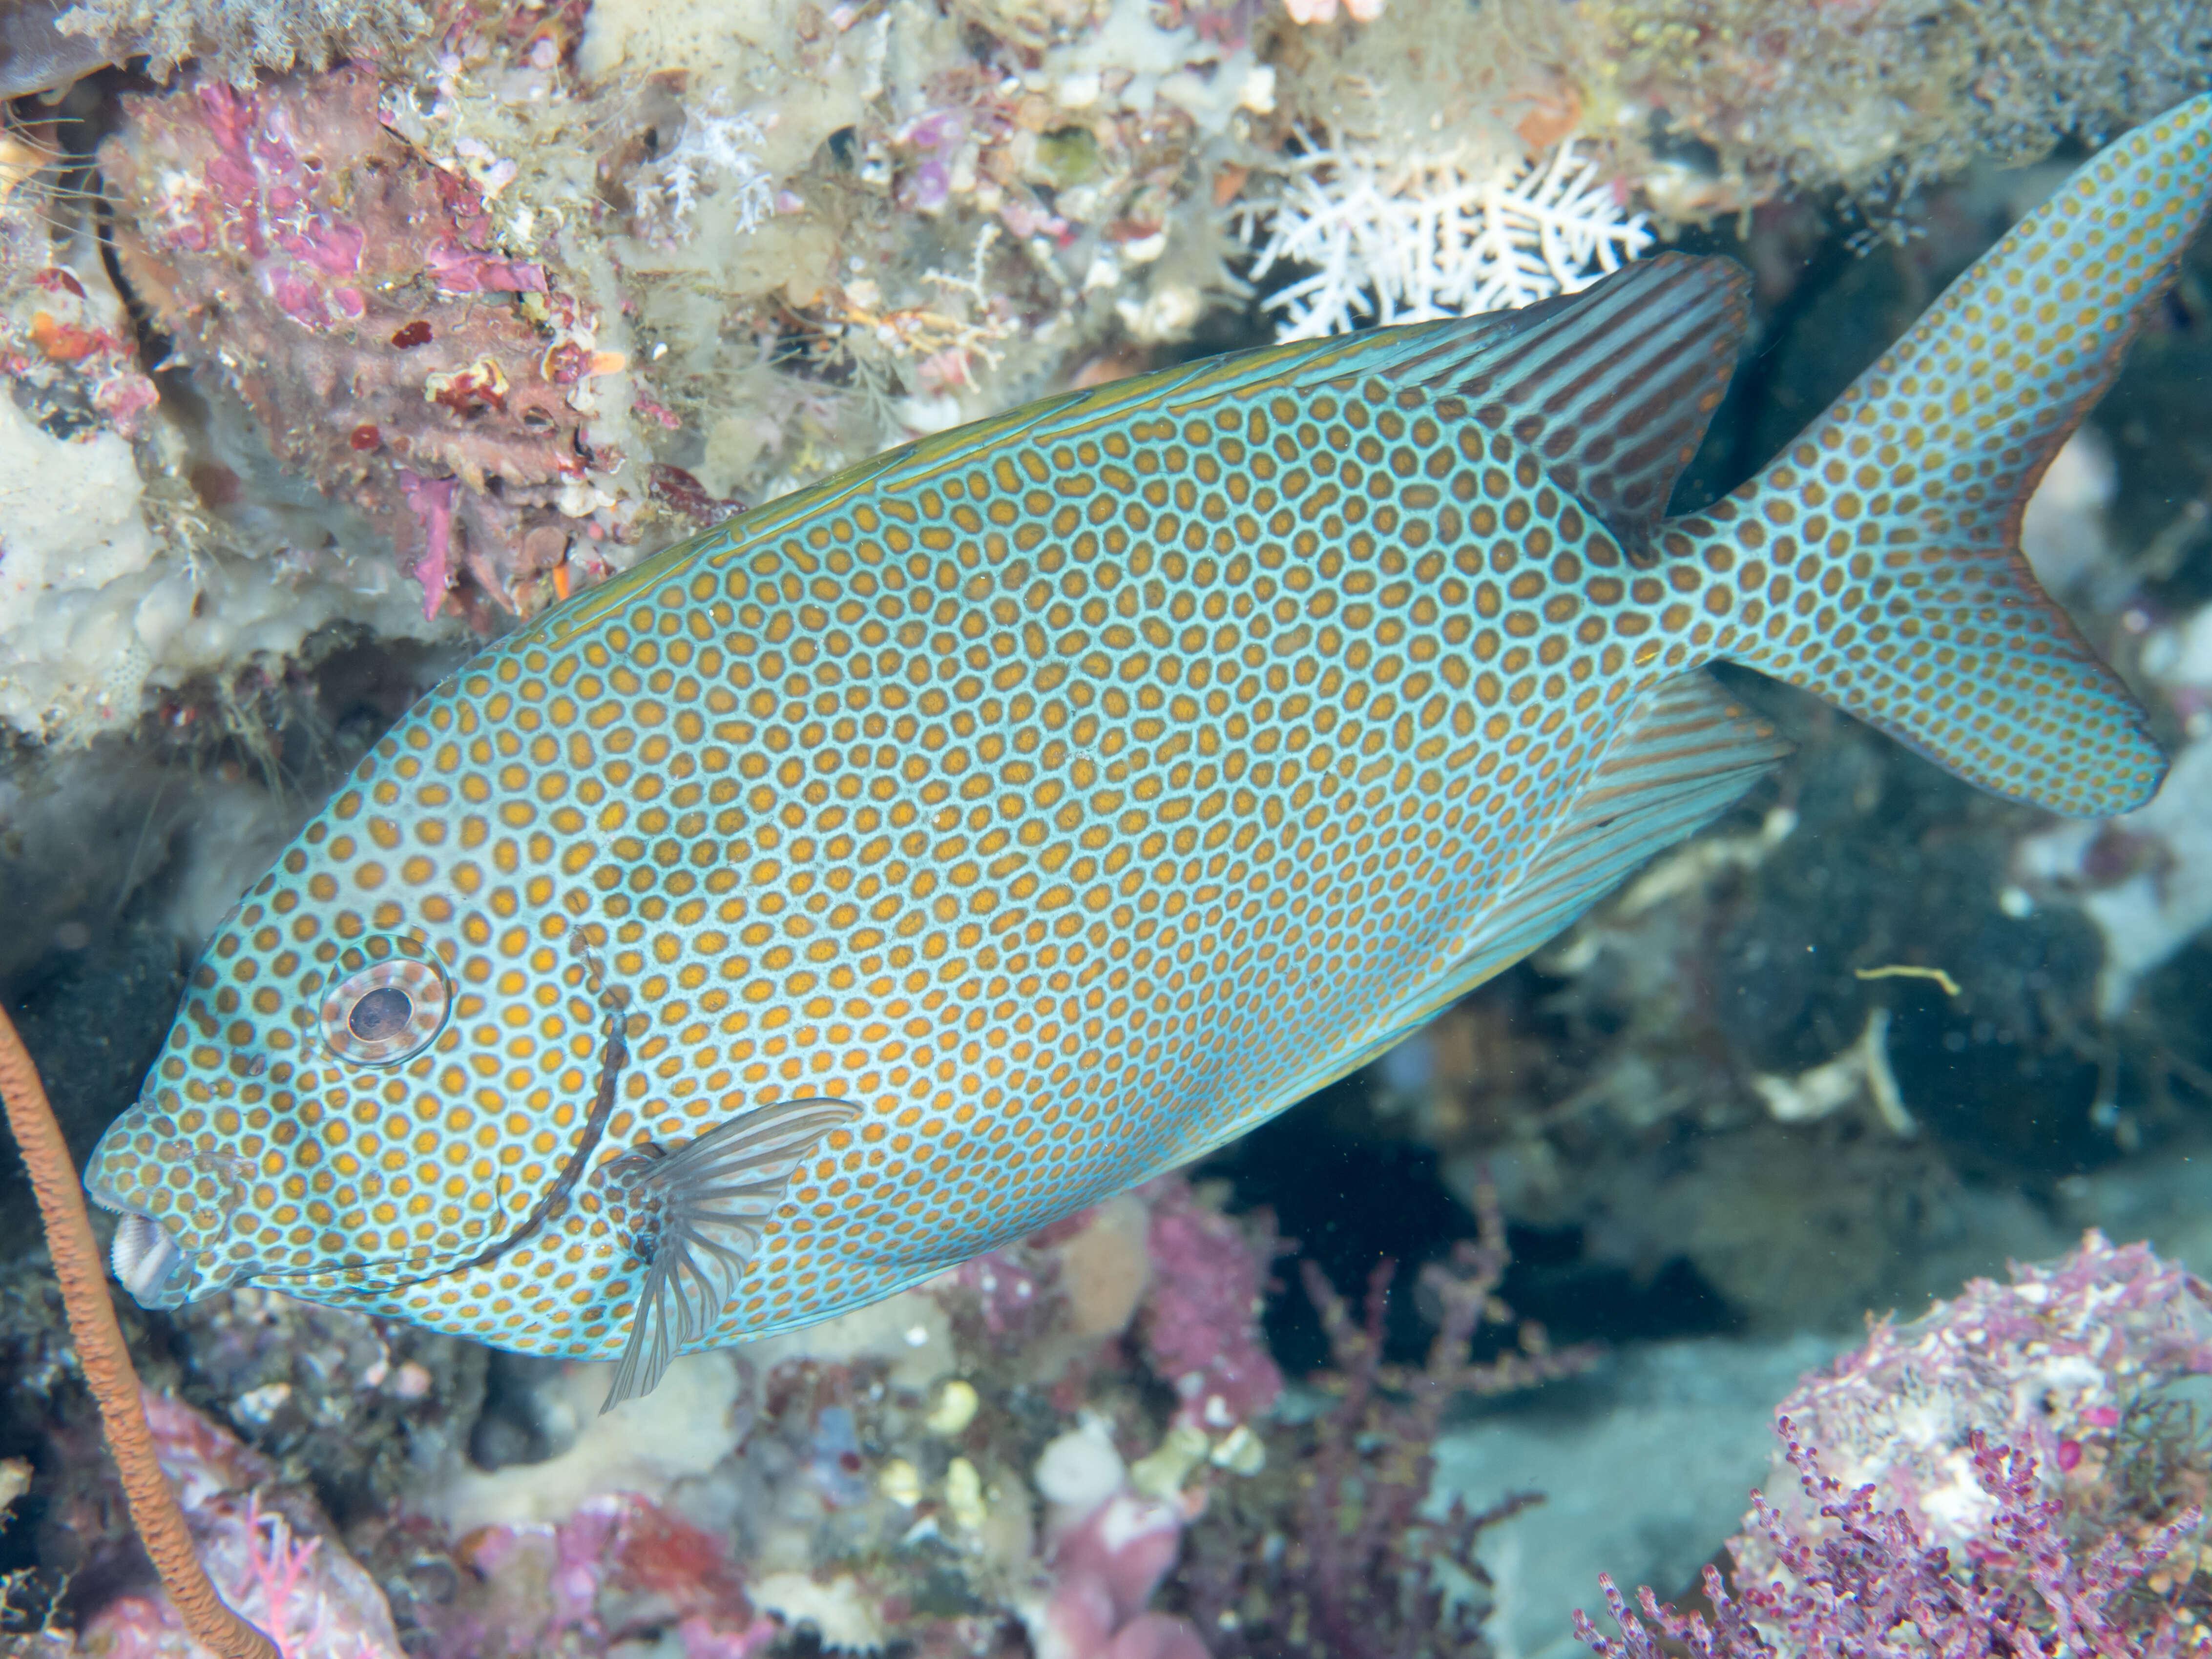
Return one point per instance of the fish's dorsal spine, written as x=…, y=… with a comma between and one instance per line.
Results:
x=1876, y=562
x=1447, y=361
x=1612, y=387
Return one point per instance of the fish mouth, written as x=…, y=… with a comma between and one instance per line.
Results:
x=147, y=1261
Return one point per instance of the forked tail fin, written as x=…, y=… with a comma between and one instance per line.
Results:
x=1877, y=562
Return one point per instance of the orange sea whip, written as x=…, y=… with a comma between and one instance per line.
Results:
x=107, y=1361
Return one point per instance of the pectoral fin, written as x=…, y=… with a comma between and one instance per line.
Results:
x=706, y=1203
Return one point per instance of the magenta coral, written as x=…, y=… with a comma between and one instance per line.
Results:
x=1990, y=1509
x=2048, y=1364
x=431, y=500
x=1874, y=1587
x=1106, y=1568
x=1201, y=1323
x=359, y=300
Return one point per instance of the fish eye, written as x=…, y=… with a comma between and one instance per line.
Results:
x=381, y=1014
x=387, y=1012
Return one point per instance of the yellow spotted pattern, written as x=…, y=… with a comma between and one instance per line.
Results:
x=1877, y=560
x=1072, y=792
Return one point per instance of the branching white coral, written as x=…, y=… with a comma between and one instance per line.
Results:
x=1408, y=239
x=715, y=157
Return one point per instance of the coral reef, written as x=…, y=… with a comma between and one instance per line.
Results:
x=978, y=1437
x=65, y=344
x=236, y=41
x=116, y=575
x=527, y=301
x=1337, y=1550
x=356, y=295
x=1718, y=105
x=2052, y=1365
x=1992, y=1478
x=1876, y=1585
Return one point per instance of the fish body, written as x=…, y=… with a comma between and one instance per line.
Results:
x=913, y=860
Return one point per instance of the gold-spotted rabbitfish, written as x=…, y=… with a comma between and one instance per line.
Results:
x=915, y=859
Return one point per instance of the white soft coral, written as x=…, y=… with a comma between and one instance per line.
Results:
x=1406, y=239
x=716, y=156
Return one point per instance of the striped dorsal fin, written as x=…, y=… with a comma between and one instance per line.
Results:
x=1613, y=387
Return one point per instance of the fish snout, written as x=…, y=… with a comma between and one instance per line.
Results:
x=146, y=1261
x=146, y=1257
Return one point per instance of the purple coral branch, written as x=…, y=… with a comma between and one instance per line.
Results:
x=1353, y=1570
x=1403, y=1408
x=1877, y=1589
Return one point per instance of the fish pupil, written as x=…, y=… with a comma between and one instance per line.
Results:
x=384, y=1013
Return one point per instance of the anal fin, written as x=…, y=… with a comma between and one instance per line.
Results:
x=1687, y=754
x=711, y=1197
x=1684, y=756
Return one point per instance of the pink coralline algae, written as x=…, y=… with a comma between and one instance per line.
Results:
x=1106, y=1567
x=358, y=299
x=2049, y=1364
x=270, y=1554
x=431, y=500
x=1872, y=1584
x=461, y=270
x=618, y=1568
x=1201, y=1323
x=2004, y=1476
